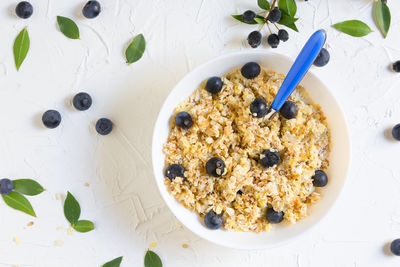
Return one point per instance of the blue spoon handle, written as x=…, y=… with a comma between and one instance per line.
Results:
x=300, y=67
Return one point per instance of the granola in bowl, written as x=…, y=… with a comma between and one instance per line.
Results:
x=241, y=171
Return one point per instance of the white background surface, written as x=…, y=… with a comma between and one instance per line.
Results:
x=122, y=198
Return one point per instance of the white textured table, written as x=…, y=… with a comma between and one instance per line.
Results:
x=122, y=198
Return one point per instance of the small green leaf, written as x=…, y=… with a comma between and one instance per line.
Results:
x=260, y=20
x=19, y=202
x=114, y=263
x=83, y=226
x=72, y=210
x=21, y=47
x=135, y=49
x=288, y=21
x=354, y=28
x=288, y=6
x=68, y=27
x=151, y=259
x=239, y=18
x=264, y=4
x=382, y=17
x=28, y=187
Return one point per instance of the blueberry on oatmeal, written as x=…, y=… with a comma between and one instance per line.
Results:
x=259, y=108
x=183, y=120
x=212, y=220
x=215, y=167
x=320, y=179
x=269, y=158
x=175, y=170
x=251, y=70
x=214, y=85
x=274, y=216
x=288, y=110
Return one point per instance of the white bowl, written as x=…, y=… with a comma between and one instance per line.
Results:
x=339, y=157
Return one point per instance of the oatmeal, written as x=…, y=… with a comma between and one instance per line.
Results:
x=224, y=159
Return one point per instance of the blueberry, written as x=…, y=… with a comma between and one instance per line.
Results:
x=175, y=170
x=320, y=179
x=395, y=247
x=214, y=85
x=215, y=167
x=273, y=40
x=283, y=35
x=91, y=9
x=6, y=186
x=274, y=216
x=183, y=120
x=269, y=158
x=248, y=16
x=51, y=118
x=384, y=1
x=212, y=220
x=274, y=15
x=24, y=10
x=104, y=126
x=259, y=108
x=322, y=58
x=396, y=66
x=396, y=132
x=239, y=192
x=251, y=70
x=254, y=39
x=82, y=101
x=288, y=110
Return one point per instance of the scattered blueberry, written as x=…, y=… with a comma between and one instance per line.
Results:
x=269, y=158
x=320, y=179
x=254, y=39
x=322, y=58
x=259, y=108
x=288, y=110
x=274, y=216
x=91, y=10
x=212, y=220
x=82, y=101
x=183, y=120
x=175, y=170
x=395, y=247
x=396, y=66
x=6, y=186
x=248, y=16
x=274, y=15
x=24, y=10
x=273, y=40
x=214, y=85
x=283, y=35
x=51, y=118
x=215, y=167
x=239, y=192
x=251, y=70
x=396, y=132
x=104, y=126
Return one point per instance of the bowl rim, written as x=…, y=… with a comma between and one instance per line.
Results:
x=346, y=130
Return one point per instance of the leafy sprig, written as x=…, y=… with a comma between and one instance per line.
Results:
x=72, y=212
x=17, y=201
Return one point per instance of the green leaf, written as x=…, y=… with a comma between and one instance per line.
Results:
x=21, y=47
x=114, y=263
x=68, y=27
x=288, y=21
x=28, y=187
x=264, y=4
x=72, y=210
x=354, y=28
x=288, y=6
x=135, y=49
x=19, y=202
x=260, y=20
x=382, y=17
x=151, y=259
x=239, y=18
x=83, y=226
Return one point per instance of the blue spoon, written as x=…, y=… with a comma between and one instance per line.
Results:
x=300, y=67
